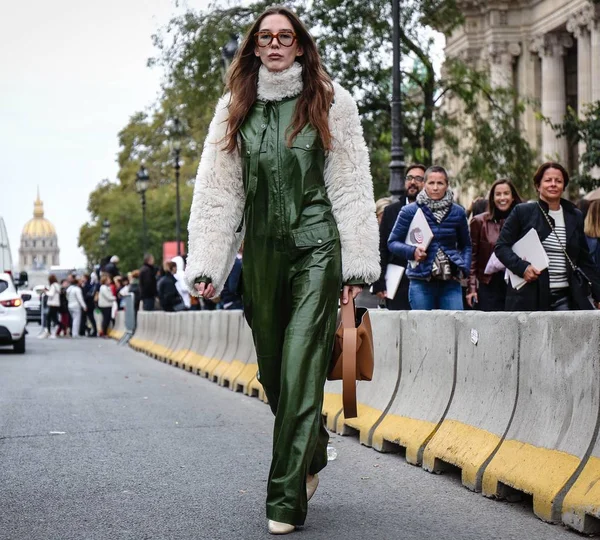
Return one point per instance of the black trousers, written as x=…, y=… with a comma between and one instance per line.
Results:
x=560, y=300
x=52, y=317
x=492, y=296
x=106, y=312
x=89, y=314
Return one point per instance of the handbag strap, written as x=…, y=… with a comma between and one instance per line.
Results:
x=558, y=238
x=349, y=358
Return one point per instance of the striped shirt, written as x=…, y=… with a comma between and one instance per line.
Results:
x=558, y=262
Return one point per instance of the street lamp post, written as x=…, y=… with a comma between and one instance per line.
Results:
x=228, y=53
x=397, y=164
x=142, y=182
x=104, y=235
x=177, y=132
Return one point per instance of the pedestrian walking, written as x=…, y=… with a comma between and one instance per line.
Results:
x=180, y=281
x=53, y=304
x=591, y=227
x=168, y=295
x=106, y=299
x=111, y=268
x=76, y=306
x=90, y=290
x=487, y=291
x=415, y=175
x=435, y=279
x=300, y=182
x=559, y=225
x=64, y=317
x=148, y=290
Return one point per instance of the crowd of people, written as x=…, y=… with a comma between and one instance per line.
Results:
x=71, y=304
x=467, y=262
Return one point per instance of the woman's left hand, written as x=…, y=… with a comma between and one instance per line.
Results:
x=354, y=290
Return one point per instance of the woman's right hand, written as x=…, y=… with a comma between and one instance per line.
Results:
x=206, y=291
x=472, y=298
x=531, y=274
x=420, y=254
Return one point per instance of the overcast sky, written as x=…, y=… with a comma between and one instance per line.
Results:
x=72, y=73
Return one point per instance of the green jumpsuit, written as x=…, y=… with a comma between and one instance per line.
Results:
x=292, y=280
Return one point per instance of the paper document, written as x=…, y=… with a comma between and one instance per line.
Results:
x=393, y=276
x=419, y=233
x=531, y=250
x=493, y=265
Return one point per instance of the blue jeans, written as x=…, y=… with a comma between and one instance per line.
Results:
x=148, y=304
x=428, y=295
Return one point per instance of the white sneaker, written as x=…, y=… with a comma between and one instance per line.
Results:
x=311, y=486
x=276, y=527
x=52, y=336
x=44, y=334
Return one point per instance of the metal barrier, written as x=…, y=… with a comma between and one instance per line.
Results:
x=130, y=319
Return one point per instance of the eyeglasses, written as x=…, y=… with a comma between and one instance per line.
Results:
x=411, y=178
x=285, y=38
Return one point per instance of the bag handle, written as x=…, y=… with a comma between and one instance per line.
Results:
x=349, y=357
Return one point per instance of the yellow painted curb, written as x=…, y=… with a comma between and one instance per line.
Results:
x=217, y=373
x=581, y=507
x=462, y=445
x=332, y=405
x=232, y=372
x=410, y=433
x=366, y=419
x=537, y=471
x=245, y=377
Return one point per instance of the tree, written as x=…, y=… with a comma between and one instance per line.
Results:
x=487, y=134
x=587, y=131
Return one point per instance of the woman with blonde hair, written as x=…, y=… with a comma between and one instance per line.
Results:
x=591, y=228
x=285, y=167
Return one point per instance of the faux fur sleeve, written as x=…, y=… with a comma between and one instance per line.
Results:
x=217, y=208
x=350, y=189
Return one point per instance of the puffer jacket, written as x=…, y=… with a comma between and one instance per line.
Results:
x=451, y=236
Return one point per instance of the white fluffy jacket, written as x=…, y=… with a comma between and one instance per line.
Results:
x=219, y=198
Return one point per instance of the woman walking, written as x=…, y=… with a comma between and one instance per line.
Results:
x=435, y=279
x=559, y=225
x=286, y=157
x=487, y=292
x=106, y=299
x=53, y=304
x=76, y=305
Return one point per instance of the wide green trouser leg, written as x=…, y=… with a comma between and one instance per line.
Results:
x=293, y=326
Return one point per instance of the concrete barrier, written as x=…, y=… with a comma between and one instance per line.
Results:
x=375, y=397
x=185, y=346
x=232, y=340
x=244, y=358
x=556, y=416
x=219, y=326
x=195, y=358
x=180, y=341
x=163, y=336
x=139, y=339
x=484, y=397
x=428, y=371
x=118, y=330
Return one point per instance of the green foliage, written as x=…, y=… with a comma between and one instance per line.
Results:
x=487, y=136
x=586, y=130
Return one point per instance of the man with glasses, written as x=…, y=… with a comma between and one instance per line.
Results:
x=415, y=174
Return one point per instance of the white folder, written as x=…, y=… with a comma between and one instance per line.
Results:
x=393, y=276
x=531, y=250
x=419, y=233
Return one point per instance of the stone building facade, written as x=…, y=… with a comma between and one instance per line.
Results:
x=39, y=243
x=549, y=50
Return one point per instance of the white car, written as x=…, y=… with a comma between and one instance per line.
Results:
x=13, y=317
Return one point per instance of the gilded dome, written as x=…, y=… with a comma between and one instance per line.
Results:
x=39, y=226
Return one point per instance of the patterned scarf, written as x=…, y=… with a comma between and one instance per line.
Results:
x=441, y=268
x=439, y=208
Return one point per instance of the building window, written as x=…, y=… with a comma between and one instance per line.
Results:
x=43, y=243
x=45, y=260
x=34, y=243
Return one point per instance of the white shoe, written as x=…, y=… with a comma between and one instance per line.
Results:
x=275, y=527
x=43, y=335
x=52, y=336
x=311, y=486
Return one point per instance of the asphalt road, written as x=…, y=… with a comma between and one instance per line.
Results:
x=100, y=442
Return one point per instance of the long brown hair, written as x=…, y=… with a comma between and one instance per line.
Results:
x=592, y=220
x=315, y=99
x=515, y=194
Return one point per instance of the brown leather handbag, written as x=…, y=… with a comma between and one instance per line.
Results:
x=353, y=358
